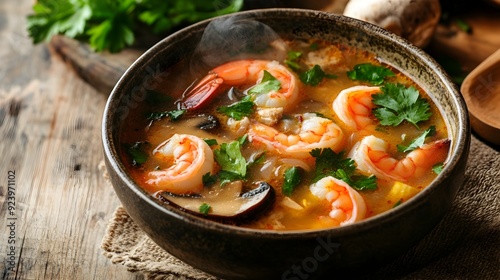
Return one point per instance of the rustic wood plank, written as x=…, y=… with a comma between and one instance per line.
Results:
x=50, y=137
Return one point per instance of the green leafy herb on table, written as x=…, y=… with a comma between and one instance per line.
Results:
x=417, y=142
x=113, y=25
x=397, y=103
x=329, y=163
x=371, y=73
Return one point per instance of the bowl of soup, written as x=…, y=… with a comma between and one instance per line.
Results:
x=285, y=144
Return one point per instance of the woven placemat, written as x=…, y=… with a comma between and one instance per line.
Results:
x=465, y=245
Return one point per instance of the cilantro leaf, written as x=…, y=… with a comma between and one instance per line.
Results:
x=438, y=168
x=292, y=180
x=371, y=73
x=211, y=142
x=267, y=84
x=226, y=177
x=397, y=103
x=329, y=163
x=205, y=208
x=208, y=179
x=137, y=152
x=230, y=159
x=243, y=139
x=173, y=115
x=361, y=182
x=417, y=142
x=291, y=60
x=313, y=76
x=237, y=110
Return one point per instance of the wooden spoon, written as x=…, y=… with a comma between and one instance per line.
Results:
x=481, y=91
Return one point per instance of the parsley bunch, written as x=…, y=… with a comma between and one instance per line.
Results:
x=114, y=24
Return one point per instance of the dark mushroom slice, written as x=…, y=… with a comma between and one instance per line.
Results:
x=207, y=122
x=229, y=205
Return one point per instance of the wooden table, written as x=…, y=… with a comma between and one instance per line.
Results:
x=50, y=131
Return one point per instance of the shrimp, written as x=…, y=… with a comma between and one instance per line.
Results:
x=354, y=107
x=188, y=158
x=313, y=132
x=246, y=72
x=371, y=156
x=347, y=204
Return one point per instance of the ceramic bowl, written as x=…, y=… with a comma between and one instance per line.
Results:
x=232, y=252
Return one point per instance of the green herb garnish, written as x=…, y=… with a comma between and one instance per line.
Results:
x=437, y=168
x=417, y=142
x=292, y=180
x=174, y=115
x=137, y=152
x=370, y=73
x=209, y=179
x=113, y=25
x=230, y=159
x=226, y=177
x=267, y=84
x=464, y=26
x=314, y=76
x=205, y=208
x=397, y=103
x=211, y=142
x=291, y=60
x=237, y=110
x=329, y=163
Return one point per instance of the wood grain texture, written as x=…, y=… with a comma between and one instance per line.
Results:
x=50, y=124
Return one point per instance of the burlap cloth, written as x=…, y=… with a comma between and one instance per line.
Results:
x=465, y=245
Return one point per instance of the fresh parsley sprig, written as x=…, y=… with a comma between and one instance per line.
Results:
x=238, y=110
x=397, y=103
x=292, y=180
x=314, y=76
x=417, y=142
x=371, y=73
x=174, y=115
x=233, y=164
x=329, y=163
x=267, y=84
x=114, y=25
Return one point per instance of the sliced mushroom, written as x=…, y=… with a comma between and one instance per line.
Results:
x=227, y=204
x=207, y=122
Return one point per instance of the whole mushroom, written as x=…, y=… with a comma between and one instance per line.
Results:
x=411, y=19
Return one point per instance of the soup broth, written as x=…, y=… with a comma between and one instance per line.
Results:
x=279, y=118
